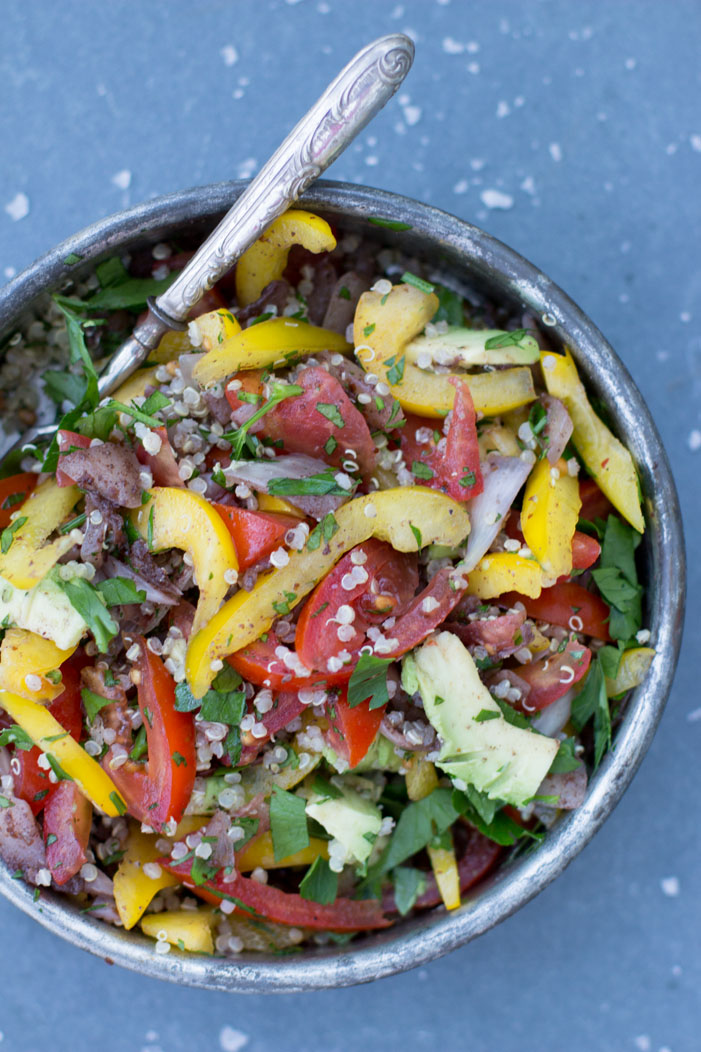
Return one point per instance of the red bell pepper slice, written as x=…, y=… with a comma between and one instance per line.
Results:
x=67, y=822
x=553, y=675
x=68, y=440
x=255, y=533
x=163, y=465
x=31, y=781
x=283, y=907
x=13, y=492
x=566, y=604
x=352, y=731
x=160, y=790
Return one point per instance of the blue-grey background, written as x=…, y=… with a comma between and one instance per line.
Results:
x=586, y=119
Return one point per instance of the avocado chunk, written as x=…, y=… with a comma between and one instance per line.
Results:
x=467, y=347
x=349, y=817
x=44, y=609
x=507, y=763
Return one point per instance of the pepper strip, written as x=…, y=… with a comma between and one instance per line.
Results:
x=387, y=514
x=607, y=460
x=549, y=516
x=266, y=259
x=49, y=736
x=275, y=342
x=500, y=572
x=384, y=325
x=27, y=562
x=421, y=780
x=24, y=653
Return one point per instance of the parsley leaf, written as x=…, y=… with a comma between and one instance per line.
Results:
x=421, y=470
x=85, y=598
x=331, y=412
x=185, y=700
x=388, y=224
x=117, y=591
x=617, y=579
x=369, y=682
x=93, y=702
x=224, y=706
x=419, y=824
x=324, y=530
x=486, y=714
x=288, y=823
x=313, y=485
x=565, y=759
x=411, y=279
x=417, y=535
x=450, y=306
x=278, y=393
x=8, y=534
x=409, y=883
x=17, y=736
x=395, y=374
x=486, y=815
x=592, y=701
x=319, y=883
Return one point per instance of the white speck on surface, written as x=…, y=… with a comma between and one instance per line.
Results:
x=9, y=272
x=397, y=11
x=519, y=101
x=496, y=199
x=122, y=179
x=528, y=186
x=246, y=168
x=229, y=54
x=473, y=67
x=685, y=316
x=670, y=887
x=412, y=114
x=555, y=151
x=670, y=149
x=372, y=160
x=461, y=186
x=18, y=207
x=238, y=93
x=472, y=46
x=323, y=8
x=452, y=47
x=231, y=1040
x=643, y=1043
x=631, y=63
x=694, y=716
x=694, y=440
x=695, y=142
x=477, y=164
x=503, y=109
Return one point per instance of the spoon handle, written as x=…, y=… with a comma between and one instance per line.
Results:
x=359, y=91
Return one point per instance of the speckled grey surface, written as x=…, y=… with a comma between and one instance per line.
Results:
x=586, y=121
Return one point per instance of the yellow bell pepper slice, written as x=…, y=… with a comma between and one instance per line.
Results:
x=500, y=572
x=133, y=890
x=172, y=345
x=549, y=516
x=26, y=561
x=24, y=653
x=631, y=671
x=215, y=327
x=384, y=325
x=445, y=870
x=179, y=518
x=275, y=342
x=135, y=386
x=607, y=460
x=259, y=852
x=266, y=259
x=187, y=929
x=266, y=502
x=48, y=734
x=386, y=514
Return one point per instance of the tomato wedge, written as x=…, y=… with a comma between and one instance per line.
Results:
x=160, y=790
x=566, y=604
x=352, y=731
x=255, y=533
x=67, y=822
x=448, y=463
x=68, y=440
x=595, y=505
x=284, y=907
x=259, y=663
x=13, y=492
x=552, y=676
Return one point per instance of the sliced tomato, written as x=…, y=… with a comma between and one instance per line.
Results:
x=494, y=634
x=31, y=781
x=352, y=731
x=250, y=381
x=160, y=790
x=284, y=907
x=386, y=582
x=163, y=465
x=322, y=422
x=67, y=822
x=259, y=664
x=255, y=533
x=566, y=604
x=552, y=676
x=453, y=460
x=585, y=549
x=13, y=492
x=595, y=505
x=68, y=440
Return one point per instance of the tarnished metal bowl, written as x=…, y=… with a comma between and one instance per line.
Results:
x=481, y=263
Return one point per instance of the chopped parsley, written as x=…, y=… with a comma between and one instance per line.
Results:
x=8, y=534
x=395, y=374
x=411, y=279
x=323, y=530
x=369, y=682
x=89, y=603
x=319, y=883
x=120, y=591
x=93, y=703
x=331, y=412
x=421, y=470
x=389, y=224
x=288, y=823
x=319, y=485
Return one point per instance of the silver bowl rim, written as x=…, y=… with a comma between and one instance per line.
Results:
x=434, y=933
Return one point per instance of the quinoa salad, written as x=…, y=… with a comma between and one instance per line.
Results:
x=327, y=613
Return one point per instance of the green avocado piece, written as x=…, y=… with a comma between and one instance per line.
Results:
x=467, y=347
x=507, y=763
x=349, y=817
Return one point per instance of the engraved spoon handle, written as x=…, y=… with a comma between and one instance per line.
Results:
x=359, y=91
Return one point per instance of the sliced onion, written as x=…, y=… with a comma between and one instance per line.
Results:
x=186, y=365
x=553, y=718
x=503, y=478
x=570, y=787
x=258, y=474
x=558, y=428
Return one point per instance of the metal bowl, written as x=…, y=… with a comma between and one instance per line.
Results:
x=479, y=262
